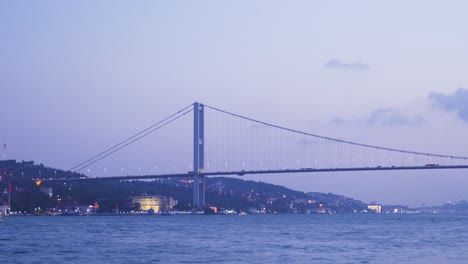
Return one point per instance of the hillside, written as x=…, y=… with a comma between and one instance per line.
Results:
x=221, y=192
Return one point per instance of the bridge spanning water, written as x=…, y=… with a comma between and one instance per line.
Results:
x=232, y=144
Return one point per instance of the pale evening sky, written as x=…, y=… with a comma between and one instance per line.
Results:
x=76, y=77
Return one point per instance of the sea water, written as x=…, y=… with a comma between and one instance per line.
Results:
x=348, y=238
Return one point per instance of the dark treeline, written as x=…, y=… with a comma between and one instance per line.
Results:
x=221, y=192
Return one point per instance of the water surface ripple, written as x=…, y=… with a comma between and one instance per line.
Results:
x=236, y=239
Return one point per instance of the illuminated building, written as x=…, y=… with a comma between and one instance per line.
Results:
x=157, y=203
x=375, y=207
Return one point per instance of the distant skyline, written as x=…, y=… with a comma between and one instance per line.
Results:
x=78, y=77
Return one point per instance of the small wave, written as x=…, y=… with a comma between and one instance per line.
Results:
x=17, y=252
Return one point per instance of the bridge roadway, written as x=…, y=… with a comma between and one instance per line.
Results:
x=246, y=172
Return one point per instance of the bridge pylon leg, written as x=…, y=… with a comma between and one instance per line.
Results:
x=198, y=157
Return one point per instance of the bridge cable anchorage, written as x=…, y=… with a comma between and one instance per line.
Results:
x=338, y=140
x=130, y=140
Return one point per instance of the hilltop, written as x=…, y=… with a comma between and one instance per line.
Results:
x=221, y=192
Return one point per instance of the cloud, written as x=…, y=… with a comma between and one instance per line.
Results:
x=354, y=66
x=337, y=121
x=456, y=102
x=384, y=117
x=391, y=117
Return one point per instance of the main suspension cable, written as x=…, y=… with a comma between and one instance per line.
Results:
x=338, y=140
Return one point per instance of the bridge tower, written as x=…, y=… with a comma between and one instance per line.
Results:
x=198, y=157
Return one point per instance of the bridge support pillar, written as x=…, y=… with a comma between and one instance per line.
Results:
x=198, y=157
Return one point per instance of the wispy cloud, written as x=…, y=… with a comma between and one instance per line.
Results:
x=337, y=121
x=353, y=66
x=456, y=102
x=383, y=117
x=391, y=117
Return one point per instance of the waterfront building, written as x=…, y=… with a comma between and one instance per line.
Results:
x=375, y=207
x=4, y=209
x=157, y=203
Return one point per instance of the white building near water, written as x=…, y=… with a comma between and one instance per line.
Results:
x=375, y=207
x=157, y=203
x=4, y=209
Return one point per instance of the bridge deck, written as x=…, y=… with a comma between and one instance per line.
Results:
x=246, y=172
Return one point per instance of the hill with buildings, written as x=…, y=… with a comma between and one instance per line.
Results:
x=223, y=194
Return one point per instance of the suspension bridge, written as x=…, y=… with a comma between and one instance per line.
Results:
x=225, y=143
